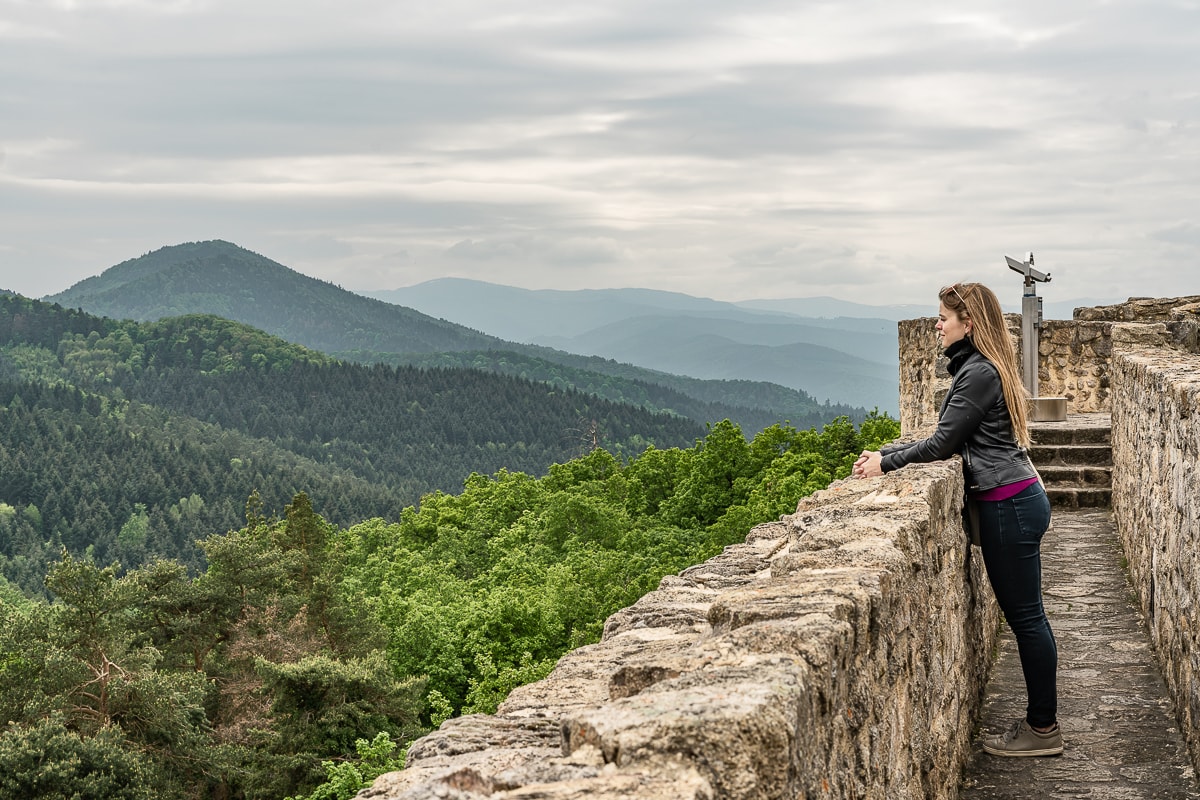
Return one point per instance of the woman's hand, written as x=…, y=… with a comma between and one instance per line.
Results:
x=868, y=465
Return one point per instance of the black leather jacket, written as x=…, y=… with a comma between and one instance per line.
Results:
x=973, y=423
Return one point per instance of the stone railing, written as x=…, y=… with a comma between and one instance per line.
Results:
x=840, y=652
x=1156, y=496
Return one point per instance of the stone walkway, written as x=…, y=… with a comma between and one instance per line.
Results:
x=1120, y=734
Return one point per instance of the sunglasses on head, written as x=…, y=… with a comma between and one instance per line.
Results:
x=952, y=288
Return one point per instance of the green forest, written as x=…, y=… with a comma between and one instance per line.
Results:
x=753, y=405
x=130, y=441
x=235, y=568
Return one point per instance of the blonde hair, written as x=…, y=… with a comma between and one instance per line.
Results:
x=979, y=305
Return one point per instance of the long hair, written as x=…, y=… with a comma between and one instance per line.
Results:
x=979, y=304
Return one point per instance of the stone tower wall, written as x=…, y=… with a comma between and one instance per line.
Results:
x=1074, y=356
x=1156, y=498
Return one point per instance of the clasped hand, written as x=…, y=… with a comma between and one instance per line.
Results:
x=868, y=465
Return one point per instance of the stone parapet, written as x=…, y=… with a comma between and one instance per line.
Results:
x=923, y=377
x=1136, y=309
x=840, y=652
x=1156, y=507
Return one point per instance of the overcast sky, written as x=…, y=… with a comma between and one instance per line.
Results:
x=864, y=149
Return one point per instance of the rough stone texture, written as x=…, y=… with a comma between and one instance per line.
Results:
x=1073, y=359
x=1120, y=736
x=1136, y=309
x=839, y=652
x=923, y=377
x=1156, y=505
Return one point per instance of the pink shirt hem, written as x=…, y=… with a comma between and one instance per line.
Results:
x=1006, y=491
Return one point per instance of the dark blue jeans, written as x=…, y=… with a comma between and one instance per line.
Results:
x=1010, y=534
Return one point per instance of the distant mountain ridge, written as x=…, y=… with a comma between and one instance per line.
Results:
x=223, y=279
x=845, y=359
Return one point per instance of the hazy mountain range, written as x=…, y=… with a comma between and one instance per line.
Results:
x=844, y=359
x=223, y=279
x=851, y=364
x=830, y=350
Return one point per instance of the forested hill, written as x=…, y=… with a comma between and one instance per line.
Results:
x=221, y=278
x=229, y=281
x=131, y=440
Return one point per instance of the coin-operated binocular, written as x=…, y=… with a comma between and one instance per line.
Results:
x=1045, y=409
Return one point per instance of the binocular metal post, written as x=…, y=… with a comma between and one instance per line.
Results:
x=1045, y=409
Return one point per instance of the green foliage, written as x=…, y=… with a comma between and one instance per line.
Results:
x=751, y=405
x=239, y=682
x=50, y=762
x=322, y=705
x=493, y=684
x=483, y=591
x=344, y=779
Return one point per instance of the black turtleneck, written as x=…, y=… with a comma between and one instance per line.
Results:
x=958, y=353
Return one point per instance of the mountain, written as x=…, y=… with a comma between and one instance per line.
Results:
x=229, y=281
x=533, y=315
x=221, y=278
x=850, y=359
x=833, y=308
x=697, y=346
x=1010, y=300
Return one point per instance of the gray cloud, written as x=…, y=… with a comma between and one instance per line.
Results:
x=750, y=150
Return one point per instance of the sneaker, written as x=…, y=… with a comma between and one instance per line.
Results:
x=1022, y=740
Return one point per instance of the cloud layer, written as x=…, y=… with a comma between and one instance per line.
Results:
x=867, y=150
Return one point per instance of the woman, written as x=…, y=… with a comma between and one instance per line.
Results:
x=984, y=420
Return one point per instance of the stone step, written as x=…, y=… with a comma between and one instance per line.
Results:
x=1046, y=455
x=1064, y=497
x=1073, y=476
x=1094, y=428
x=1094, y=434
x=1074, y=458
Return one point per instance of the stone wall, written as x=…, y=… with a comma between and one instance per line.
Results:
x=1073, y=362
x=1138, y=309
x=1156, y=498
x=840, y=652
x=923, y=377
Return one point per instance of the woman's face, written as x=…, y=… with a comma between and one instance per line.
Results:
x=950, y=327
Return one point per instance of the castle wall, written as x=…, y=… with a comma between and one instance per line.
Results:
x=1156, y=498
x=839, y=652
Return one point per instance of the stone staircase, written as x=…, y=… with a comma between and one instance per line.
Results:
x=1074, y=458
